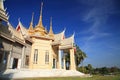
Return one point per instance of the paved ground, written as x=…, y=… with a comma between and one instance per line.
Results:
x=25, y=73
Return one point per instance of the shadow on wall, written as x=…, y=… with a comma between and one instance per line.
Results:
x=3, y=73
x=5, y=76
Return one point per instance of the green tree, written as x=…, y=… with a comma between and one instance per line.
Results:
x=79, y=55
x=67, y=59
x=90, y=68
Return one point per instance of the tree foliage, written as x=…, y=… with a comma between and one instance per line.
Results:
x=79, y=55
x=86, y=69
x=99, y=71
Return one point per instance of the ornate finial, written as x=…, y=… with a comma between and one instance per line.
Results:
x=46, y=29
x=5, y=9
x=19, y=19
x=8, y=16
x=32, y=17
x=40, y=19
x=41, y=8
x=40, y=28
x=51, y=34
x=31, y=24
x=51, y=22
x=51, y=31
x=73, y=35
x=63, y=32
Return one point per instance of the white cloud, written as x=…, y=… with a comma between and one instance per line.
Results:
x=97, y=39
x=98, y=14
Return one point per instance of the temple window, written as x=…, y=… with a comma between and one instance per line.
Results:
x=27, y=60
x=35, y=56
x=47, y=57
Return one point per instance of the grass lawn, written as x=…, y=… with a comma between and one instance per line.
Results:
x=73, y=78
x=77, y=78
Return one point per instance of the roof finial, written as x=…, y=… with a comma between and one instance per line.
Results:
x=32, y=17
x=40, y=19
x=51, y=34
x=31, y=23
x=19, y=19
x=41, y=8
x=51, y=22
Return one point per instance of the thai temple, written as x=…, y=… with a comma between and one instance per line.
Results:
x=35, y=47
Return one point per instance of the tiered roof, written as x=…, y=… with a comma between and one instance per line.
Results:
x=3, y=14
x=17, y=36
x=40, y=31
x=22, y=29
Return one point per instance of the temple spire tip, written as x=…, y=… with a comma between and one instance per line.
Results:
x=31, y=23
x=51, y=22
x=51, y=34
x=19, y=19
x=41, y=8
x=32, y=17
x=40, y=19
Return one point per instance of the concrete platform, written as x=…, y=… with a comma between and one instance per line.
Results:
x=26, y=73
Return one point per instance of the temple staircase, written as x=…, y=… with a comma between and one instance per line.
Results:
x=27, y=73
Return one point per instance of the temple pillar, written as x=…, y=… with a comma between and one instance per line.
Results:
x=60, y=59
x=22, y=64
x=8, y=61
x=72, y=60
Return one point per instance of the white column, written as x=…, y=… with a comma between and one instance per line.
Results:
x=55, y=64
x=23, y=57
x=8, y=61
x=11, y=62
x=72, y=60
x=60, y=59
x=19, y=64
x=64, y=63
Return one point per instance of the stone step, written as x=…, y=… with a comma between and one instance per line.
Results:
x=25, y=73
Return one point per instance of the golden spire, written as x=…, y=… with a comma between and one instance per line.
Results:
x=30, y=30
x=31, y=23
x=40, y=19
x=39, y=27
x=51, y=34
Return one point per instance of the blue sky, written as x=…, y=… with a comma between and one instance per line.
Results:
x=96, y=24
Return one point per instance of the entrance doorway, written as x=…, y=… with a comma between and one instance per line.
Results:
x=15, y=63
